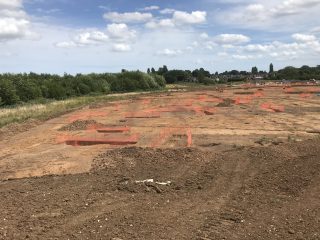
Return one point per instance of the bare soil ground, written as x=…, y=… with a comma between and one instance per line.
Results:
x=204, y=119
x=244, y=193
x=241, y=164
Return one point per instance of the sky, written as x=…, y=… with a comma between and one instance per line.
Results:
x=83, y=36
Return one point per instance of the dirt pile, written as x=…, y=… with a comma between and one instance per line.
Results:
x=227, y=102
x=135, y=193
x=80, y=125
x=177, y=166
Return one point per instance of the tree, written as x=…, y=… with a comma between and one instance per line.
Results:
x=153, y=71
x=271, y=68
x=27, y=90
x=254, y=70
x=200, y=73
x=234, y=72
x=148, y=71
x=163, y=70
x=177, y=76
x=8, y=93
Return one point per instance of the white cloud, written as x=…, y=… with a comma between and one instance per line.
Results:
x=91, y=38
x=7, y=4
x=315, y=29
x=117, y=34
x=242, y=57
x=163, y=23
x=179, y=18
x=267, y=15
x=305, y=45
x=210, y=45
x=69, y=44
x=256, y=8
x=292, y=7
x=259, y=47
x=128, y=17
x=120, y=32
x=13, y=13
x=231, y=39
x=176, y=35
x=204, y=36
x=169, y=52
x=304, y=37
x=12, y=28
x=48, y=11
x=84, y=38
x=167, y=11
x=121, y=47
x=104, y=7
x=14, y=22
x=151, y=8
x=195, y=17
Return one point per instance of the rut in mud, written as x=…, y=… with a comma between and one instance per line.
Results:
x=244, y=193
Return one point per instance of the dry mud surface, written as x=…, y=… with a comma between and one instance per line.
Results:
x=242, y=193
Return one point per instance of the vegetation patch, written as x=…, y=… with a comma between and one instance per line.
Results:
x=24, y=88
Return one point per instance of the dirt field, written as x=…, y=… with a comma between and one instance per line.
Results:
x=238, y=164
x=202, y=119
x=261, y=193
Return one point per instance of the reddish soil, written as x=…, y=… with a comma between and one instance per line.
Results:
x=243, y=193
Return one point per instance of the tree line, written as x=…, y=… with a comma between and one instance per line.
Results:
x=26, y=87
x=206, y=77
x=292, y=73
x=17, y=88
x=171, y=76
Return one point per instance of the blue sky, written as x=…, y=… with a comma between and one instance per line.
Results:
x=58, y=36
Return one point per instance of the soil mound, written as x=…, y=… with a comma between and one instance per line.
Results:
x=226, y=103
x=79, y=125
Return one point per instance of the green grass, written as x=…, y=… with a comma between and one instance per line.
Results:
x=51, y=109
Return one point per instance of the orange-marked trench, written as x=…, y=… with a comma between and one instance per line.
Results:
x=83, y=141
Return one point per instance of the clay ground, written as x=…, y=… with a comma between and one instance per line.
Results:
x=237, y=164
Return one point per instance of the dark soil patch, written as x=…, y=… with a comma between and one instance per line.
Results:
x=227, y=102
x=80, y=125
x=244, y=93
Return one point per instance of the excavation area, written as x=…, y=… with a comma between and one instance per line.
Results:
x=235, y=163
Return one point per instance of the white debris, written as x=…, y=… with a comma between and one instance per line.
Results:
x=167, y=183
x=145, y=181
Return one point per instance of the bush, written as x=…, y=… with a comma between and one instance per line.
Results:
x=134, y=81
x=177, y=76
x=159, y=80
x=207, y=81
